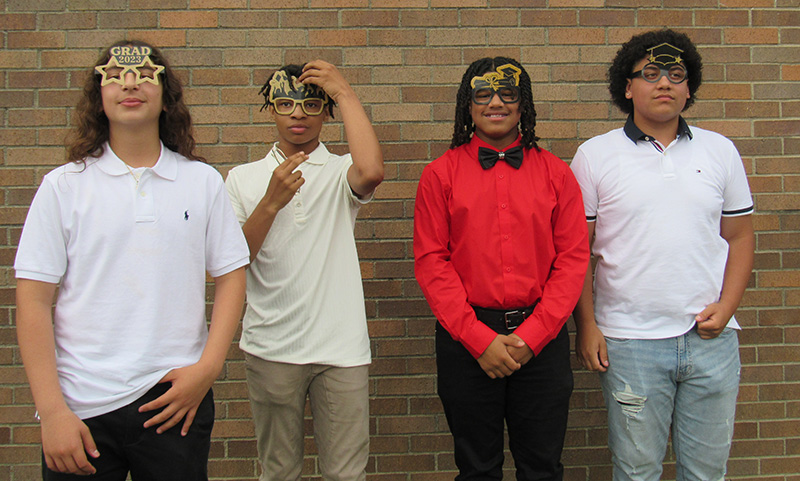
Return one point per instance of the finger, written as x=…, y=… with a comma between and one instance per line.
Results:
x=56, y=464
x=82, y=465
x=188, y=422
x=603, y=356
x=292, y=162
x=69, y=465
x=89, y=444
x=158, y=402
x=175, y=419
x=160, y=417
x=704, y=314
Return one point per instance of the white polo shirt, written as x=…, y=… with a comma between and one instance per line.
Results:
x=305, y=301
x=660, y=255
x=131, y=262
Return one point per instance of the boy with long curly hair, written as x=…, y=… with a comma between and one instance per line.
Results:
x=125, y=232
x=669, y=210
x=500, y=254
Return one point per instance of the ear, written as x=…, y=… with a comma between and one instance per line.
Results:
x=628, y=93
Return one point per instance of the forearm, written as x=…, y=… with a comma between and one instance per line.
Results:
x=584, y=309
x=567, y=277
x=738, y=268
x=225, y=315
x=257, y=226
x=367, y=170
x=37, y=344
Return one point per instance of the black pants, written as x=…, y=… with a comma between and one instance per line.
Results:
x=125, y=445
x=533, y=401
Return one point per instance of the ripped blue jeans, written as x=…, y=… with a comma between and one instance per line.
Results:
x=686, y=383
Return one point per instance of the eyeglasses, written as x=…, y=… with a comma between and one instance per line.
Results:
x=484, y=96
x=652, y=73
x=311, y=106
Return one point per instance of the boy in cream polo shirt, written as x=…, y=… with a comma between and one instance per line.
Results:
x=305, y=332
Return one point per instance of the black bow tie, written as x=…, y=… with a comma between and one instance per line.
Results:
x=489, y=157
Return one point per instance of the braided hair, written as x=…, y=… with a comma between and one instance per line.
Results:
x=292, y=70
x=635, y=49
x=464, y=127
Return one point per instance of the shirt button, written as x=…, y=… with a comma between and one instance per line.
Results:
x=505, y=237
x=508, y=269
x=503, y=206
x=500, y=176
x=143, y=194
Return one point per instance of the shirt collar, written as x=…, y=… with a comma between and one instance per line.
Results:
x=635, y=133
x=477, y=143
x=166, y=166
x=318, y=156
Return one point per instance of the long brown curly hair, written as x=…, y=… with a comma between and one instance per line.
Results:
x=91, y=124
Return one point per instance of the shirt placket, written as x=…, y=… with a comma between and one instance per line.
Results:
x=145, y=207
x=506, y=224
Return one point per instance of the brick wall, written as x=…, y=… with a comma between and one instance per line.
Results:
x=405, y=58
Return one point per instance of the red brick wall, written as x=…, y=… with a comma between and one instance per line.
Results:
x=405, y=58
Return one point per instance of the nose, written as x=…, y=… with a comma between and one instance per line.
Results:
x=663, y=81
x=298, y=112
x=129, y=81
x=496, y=100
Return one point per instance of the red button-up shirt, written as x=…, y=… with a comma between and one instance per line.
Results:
x=500, y=238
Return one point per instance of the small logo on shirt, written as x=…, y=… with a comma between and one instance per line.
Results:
x=698, y=171
x=186, y=213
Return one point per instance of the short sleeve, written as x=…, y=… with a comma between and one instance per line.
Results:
x=42, y=252
x=580, y=167
x=736, y=196
x=347, y=191
x=232, y=187
x=226, y=247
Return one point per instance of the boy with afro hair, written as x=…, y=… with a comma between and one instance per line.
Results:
x=669, y=211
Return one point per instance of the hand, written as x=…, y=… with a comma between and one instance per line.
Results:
x=190, y=385
x=285, y=181
x=327, y=76
x=495, y=361
x=712, y=320
x=521, y=354
x=65, y=442
x=590, y=347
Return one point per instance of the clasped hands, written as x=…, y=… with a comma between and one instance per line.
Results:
x=504, y=355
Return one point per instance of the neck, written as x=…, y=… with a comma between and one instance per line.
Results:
x=134, y=147
x=499, y=143
x=664, y=132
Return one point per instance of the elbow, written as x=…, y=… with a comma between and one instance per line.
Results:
x=373, y=178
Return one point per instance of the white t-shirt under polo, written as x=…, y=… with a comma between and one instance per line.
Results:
x=305, y=301
x=661, y=258
x=131, y=262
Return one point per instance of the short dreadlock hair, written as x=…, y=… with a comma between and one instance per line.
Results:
x=292, y=70
x=464, y=127
x=635, y=50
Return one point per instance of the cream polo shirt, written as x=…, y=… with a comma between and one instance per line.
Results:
x=660, y=255
x=305, y=301
x=131, y=262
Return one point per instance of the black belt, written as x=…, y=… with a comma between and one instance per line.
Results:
x=504, y=319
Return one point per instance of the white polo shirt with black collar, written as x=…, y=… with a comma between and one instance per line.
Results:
x=657, y=212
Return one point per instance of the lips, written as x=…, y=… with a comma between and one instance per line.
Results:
x=298, y=129
x=131, y=102
x=496, y=115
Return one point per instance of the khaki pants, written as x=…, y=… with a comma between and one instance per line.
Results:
x=339, y=407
